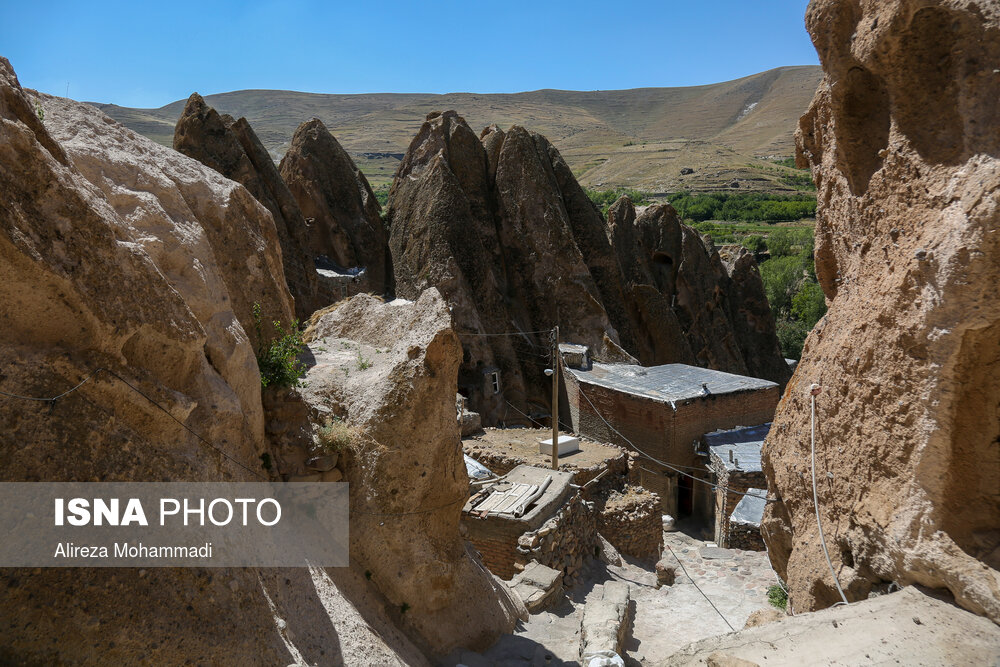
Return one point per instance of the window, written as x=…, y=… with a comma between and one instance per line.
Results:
x=495, y=381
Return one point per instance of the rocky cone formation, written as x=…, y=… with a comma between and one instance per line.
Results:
x=343, y=216
x=902, y=139
x=499, y=224
x=232, y=148
x=118, y=253
x=690, y=305
x=486, y=226
x=389, y=371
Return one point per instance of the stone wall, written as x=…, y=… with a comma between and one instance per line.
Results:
x=730, y=485
x=632, y=523
x=564, y=541
x=744, y=536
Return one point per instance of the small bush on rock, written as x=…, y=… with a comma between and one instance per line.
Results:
x=336, y=435
x=278, y=360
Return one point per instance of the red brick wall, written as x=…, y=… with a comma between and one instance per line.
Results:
x=496, y=541
x=664, y=432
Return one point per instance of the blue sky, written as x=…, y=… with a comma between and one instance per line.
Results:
x=149, y=54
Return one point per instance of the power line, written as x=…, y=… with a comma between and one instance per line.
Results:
x=462, y=500
x=656, y=460
x=507, y=333
x=52, y=401
x=684, y=569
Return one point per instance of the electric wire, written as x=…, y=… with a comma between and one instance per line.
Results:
x=819, y=524
x=52, y=401
x=684, y=569
x=656, y=460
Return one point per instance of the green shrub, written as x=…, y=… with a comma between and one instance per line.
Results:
x=777, y=596
x=755, y=243
x=278, y=359
x=743, y=206
x=785, y=162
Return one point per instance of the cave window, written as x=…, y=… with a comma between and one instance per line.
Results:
x=662, y=258
x=495, y=381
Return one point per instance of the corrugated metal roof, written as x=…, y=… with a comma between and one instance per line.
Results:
x=476, y=469
x=750, y=509
x=671, y=382
x=744, y=443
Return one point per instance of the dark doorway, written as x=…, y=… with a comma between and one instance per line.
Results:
x=685, y=496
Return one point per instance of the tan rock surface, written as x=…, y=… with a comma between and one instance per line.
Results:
x=118, y=253
x=232, y=148
x=108, y=259
x=908, y=627
x=390, y=370
x=902, y=137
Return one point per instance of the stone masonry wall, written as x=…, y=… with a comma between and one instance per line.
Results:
x=730, y=484
x=564, y=541
x=745, y=536
x=632, y=523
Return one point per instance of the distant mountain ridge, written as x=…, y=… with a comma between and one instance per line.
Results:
x=640, y=137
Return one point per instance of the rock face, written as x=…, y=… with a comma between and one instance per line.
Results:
x=116, y=252
x=500, y=226
x=909, y=627
x=902, y=138
x=233, y=149
x=389, y=370
x=484, y=223
x=340, y=208
x=689, y=305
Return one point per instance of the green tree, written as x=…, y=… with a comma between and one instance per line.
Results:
x=791, y=337
x=755, y=243
x=781, y=276
x=809, y=304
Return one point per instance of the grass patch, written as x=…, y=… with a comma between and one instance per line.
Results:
x=335, y=436
x=785, y=162
x=777, y=596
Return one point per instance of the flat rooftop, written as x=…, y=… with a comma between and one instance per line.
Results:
x=520, y=445
x=671, y=382
x=543, y=507
x=744, y=443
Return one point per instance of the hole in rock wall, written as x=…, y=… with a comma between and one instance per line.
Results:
x=928, y=112
x=861, y=106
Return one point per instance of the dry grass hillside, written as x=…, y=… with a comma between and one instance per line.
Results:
x=638, y=138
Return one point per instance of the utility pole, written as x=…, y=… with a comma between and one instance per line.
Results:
x=556, y=367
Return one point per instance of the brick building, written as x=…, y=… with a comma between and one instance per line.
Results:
x=665, y=411
x=735, y=467
x=557, y=529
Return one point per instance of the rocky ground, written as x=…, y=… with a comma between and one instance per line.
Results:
x=665, y=619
